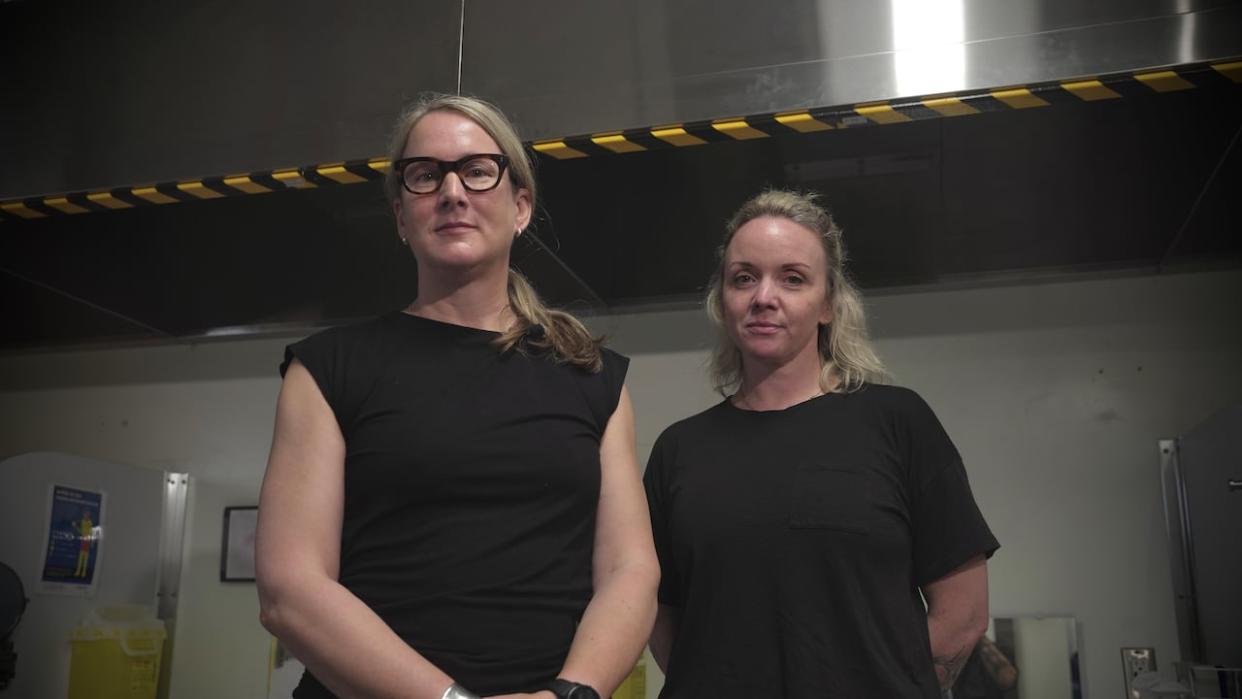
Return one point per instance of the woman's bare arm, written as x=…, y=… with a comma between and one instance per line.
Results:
x=957, y=615
x=618, y=620
x=344, y=644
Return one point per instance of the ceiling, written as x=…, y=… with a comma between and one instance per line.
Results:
x=1143, y=183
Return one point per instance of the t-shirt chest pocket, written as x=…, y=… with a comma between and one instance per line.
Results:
x=829, y=497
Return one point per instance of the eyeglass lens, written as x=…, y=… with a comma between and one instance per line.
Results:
x=477, y=174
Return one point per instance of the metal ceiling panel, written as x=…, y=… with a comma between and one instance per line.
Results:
x=562, y=67
x=100, y=95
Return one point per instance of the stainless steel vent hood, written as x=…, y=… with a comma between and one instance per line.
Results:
x=564, y=67
x=137, y=92
x=1143, y=180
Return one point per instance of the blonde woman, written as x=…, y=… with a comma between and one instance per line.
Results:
x=801, y=522
x=452, y=506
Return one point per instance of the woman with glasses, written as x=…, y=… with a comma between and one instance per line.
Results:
x=452, y=506
x=802, y=521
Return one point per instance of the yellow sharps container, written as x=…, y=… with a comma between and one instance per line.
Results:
x=635, y=684
x=116, y=654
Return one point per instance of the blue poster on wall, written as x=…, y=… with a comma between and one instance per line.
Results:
x=73, y=542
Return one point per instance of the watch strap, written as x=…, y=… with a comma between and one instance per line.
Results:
x=565, y=689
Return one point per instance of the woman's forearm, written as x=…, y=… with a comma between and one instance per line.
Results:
x=344, y=644
x=1002, y=671
x=614, y=628
x=953, y=637
x=957, y=615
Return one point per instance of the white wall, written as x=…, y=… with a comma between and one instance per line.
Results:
x=204, y=410
x=126, y=556
x=1055, y=394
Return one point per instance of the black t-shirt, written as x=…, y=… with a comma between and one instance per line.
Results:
x=471, y=486
x=794, y=543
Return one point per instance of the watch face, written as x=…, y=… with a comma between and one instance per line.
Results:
x=582, y=692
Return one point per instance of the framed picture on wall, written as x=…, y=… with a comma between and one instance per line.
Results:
x=237, y=552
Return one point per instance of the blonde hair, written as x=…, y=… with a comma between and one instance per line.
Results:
x=847, y=360
x=535, y=325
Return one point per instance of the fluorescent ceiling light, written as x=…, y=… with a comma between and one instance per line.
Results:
x=928, y=38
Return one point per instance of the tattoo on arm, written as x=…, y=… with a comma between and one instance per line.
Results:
x=1002, y=671
x=992, y=658
x=948, y=666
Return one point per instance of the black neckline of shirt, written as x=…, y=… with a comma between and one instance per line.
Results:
x=729, y=406
x=464, y=332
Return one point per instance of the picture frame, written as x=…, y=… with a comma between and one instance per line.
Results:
x=237, y=548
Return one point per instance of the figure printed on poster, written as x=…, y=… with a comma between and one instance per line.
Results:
x=74, y=536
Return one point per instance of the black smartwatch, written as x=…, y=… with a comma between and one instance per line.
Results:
x=564, y=689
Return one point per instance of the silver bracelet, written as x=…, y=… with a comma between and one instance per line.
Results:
x=456, y=691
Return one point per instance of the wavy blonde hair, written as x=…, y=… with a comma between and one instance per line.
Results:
x=847, y=360
x=563, y=335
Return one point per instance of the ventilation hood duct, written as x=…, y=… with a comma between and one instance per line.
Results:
x=1131, y=164
x=564, y=67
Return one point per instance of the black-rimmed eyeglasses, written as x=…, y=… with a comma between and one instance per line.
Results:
x=478, y=173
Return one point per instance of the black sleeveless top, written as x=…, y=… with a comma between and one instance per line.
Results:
x=471, y=484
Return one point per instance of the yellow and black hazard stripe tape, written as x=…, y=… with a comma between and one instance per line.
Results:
x=262, y=182
x=1086, y=89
